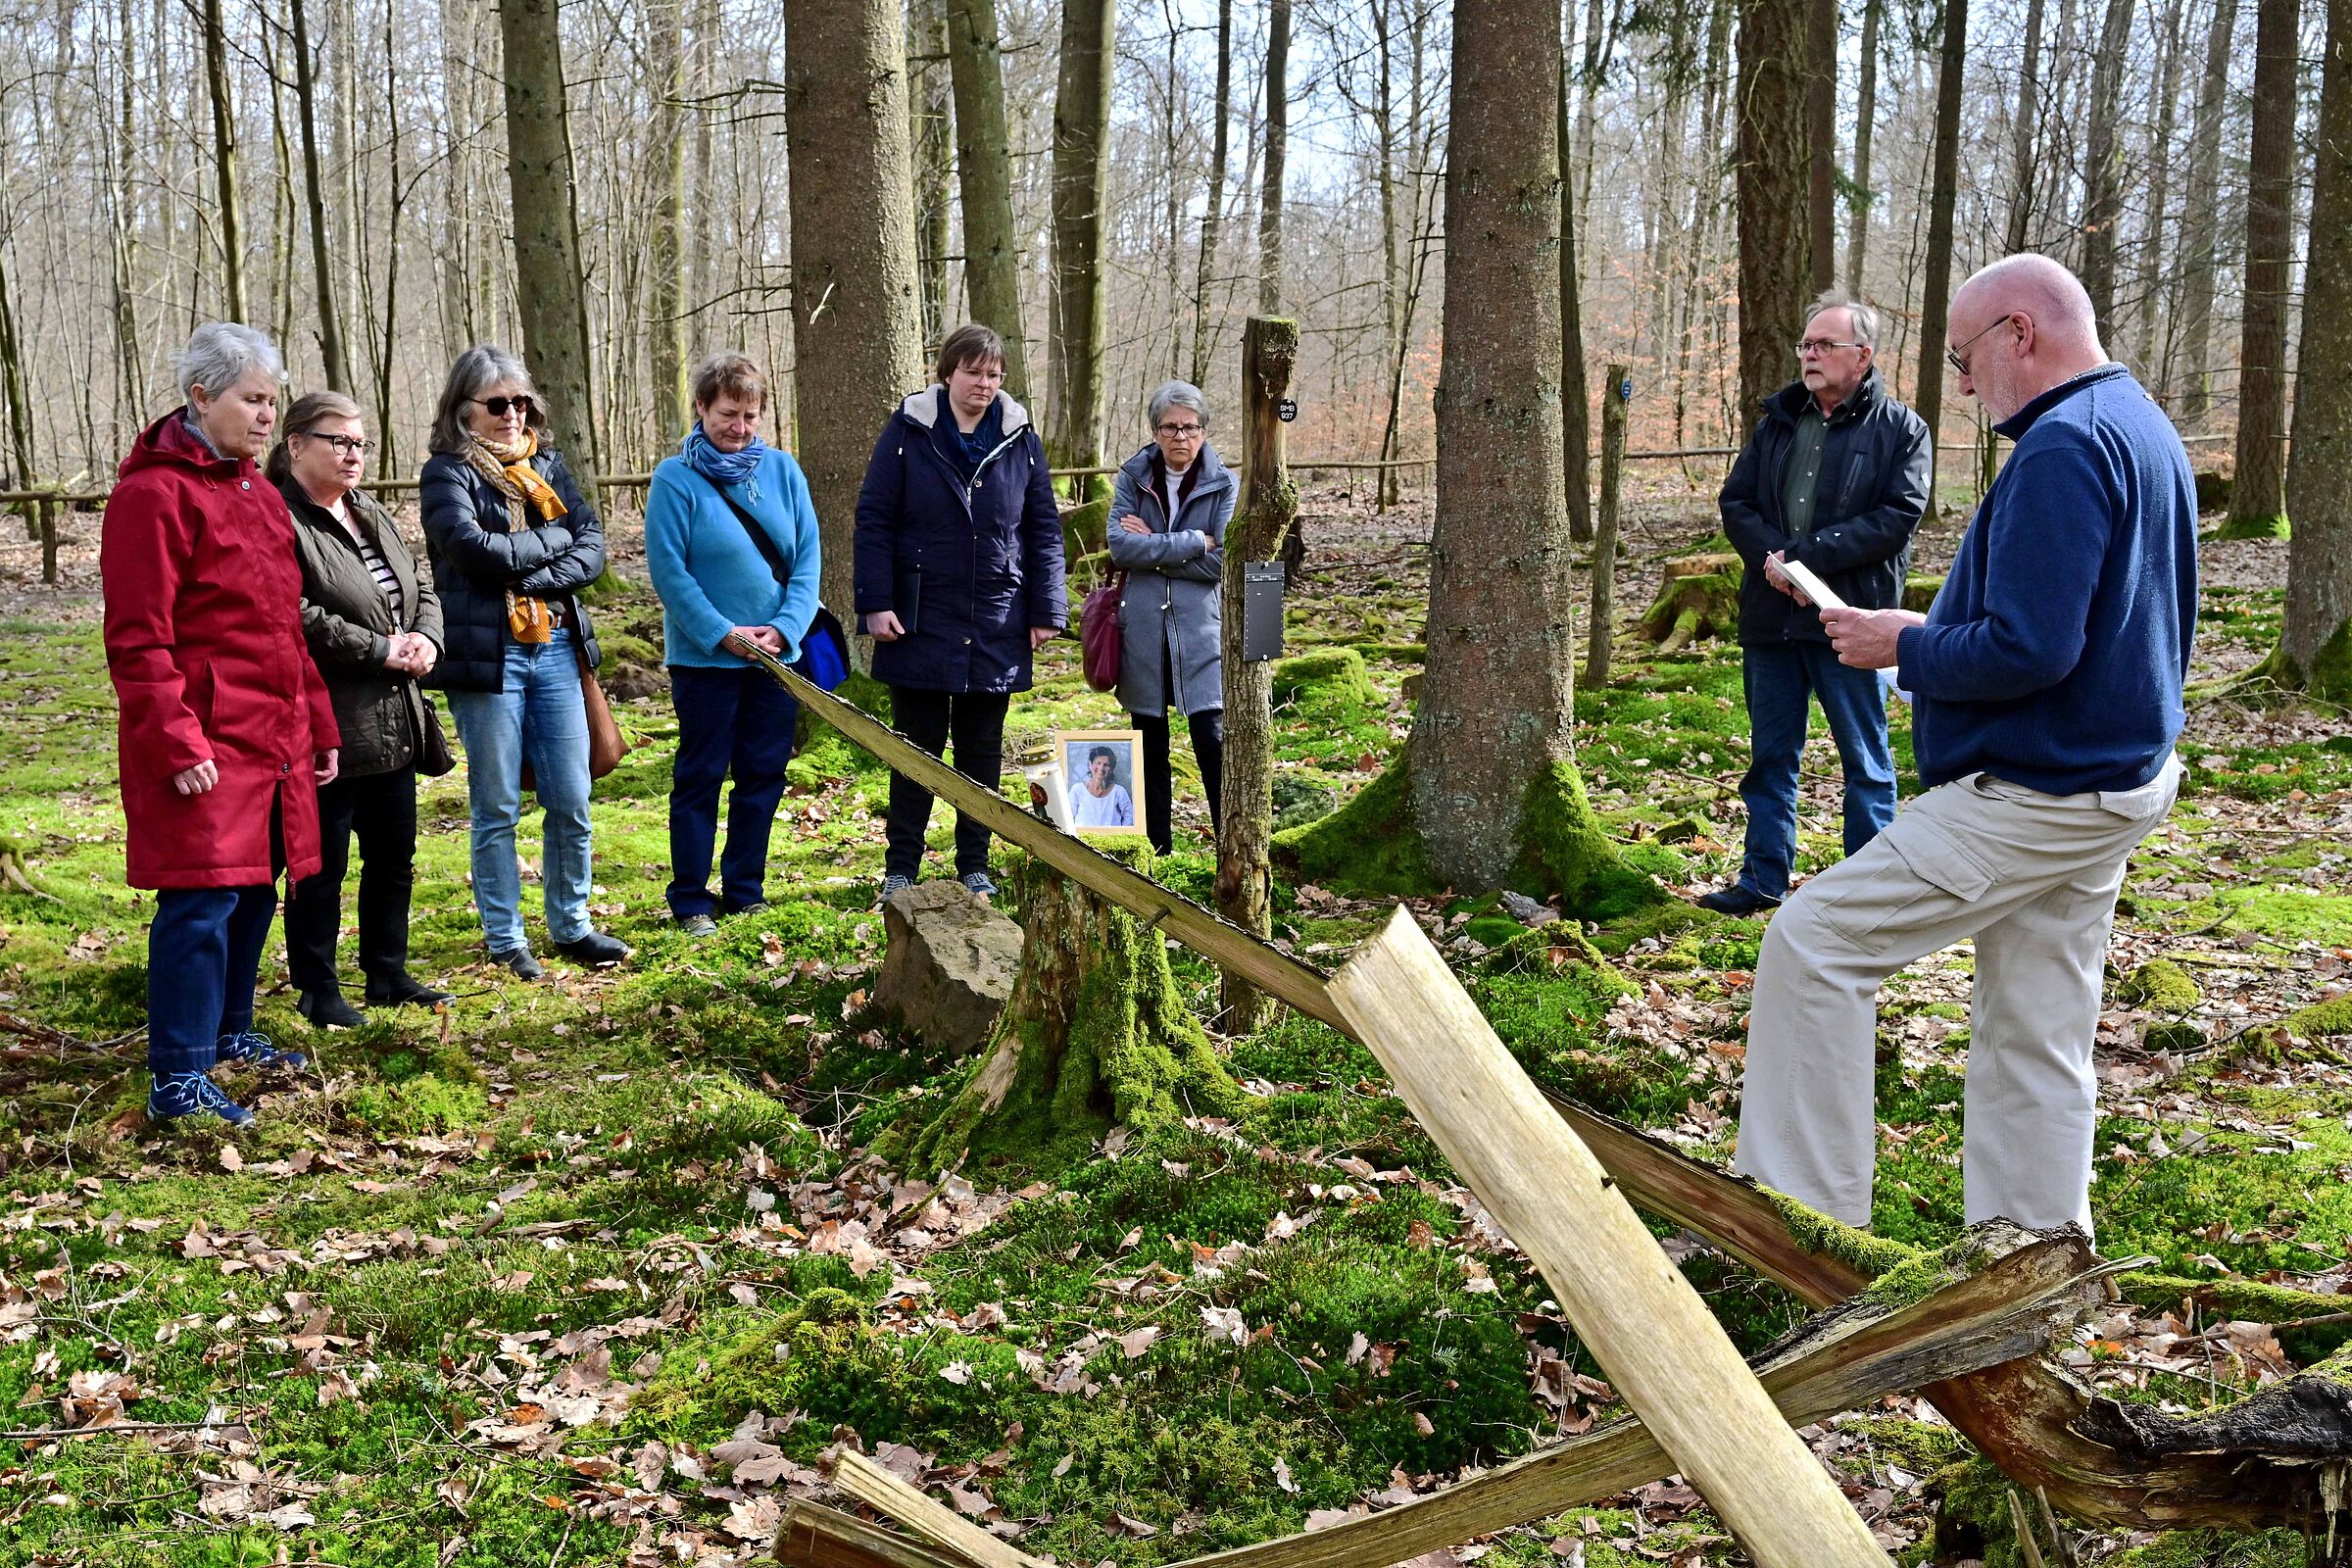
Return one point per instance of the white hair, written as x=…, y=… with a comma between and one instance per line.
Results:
x=1177, y=395
x=220, y=354
x=1865, y=318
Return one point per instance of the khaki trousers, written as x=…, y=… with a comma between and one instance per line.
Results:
x=2033, y=877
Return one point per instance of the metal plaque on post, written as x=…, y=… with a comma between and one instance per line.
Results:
x=1262, y=610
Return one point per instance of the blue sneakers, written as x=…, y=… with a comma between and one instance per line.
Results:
x=257, y=1050
x=193, y=1094
x=980, y=883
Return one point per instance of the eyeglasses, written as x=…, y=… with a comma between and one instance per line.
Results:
x=344, y=444
x=1823, y=344
x=1180, y=432
x=1952, y=357
x=497, y=407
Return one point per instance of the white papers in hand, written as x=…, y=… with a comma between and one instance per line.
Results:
x=1824, y=597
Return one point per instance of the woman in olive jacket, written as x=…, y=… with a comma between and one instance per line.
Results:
x=373, y=625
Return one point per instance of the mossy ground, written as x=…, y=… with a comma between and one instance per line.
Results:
x=618, y=1149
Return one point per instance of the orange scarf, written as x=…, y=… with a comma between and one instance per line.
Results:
x=530, y=501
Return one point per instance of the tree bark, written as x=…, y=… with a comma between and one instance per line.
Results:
x=2158, y=351
x=1576, y=395
x=548, y=280
x=1278, y=137
x=1080, y=171
x=992, y=261
x=933, y=135
x=1821, y=142
x=2258, y=494
x=1269, y=505
x=2200, y=226
x=322, y=272
x=1601, y=627
x=2103, y=170
x=1866, y=112
x=1775, y=259
x=665, y=259
x=1212, y=214
x=856, y=338
x=233, y=302
x=2315, y=644
x=1934, y=314
x=2023, y=132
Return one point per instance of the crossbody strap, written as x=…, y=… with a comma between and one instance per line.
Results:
x=750, y=525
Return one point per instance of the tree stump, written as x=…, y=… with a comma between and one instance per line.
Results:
x=1094, y=1035
x=1700, y=596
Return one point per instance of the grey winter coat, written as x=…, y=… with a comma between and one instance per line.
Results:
x=1170, y=604
x=349, y=625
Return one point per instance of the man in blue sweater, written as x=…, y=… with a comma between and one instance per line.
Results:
x=2046, y=685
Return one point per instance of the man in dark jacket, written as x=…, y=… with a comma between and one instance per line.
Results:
x=1835, y=477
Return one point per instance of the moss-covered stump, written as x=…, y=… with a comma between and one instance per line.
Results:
x=1700, y=596
x=2160, y=985
x=2270, y=526
x=1095, y=1034
x=1329, y=677
x=1920, y=591
x=1372, y=846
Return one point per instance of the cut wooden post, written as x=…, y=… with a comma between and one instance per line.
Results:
x=1615, y=393
x=1654, y=1336
x=814, y=1536
x=882, y=1490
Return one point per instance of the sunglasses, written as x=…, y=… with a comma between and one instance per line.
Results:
x=498, y=407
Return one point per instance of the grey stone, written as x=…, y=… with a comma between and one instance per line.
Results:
x=950, y=964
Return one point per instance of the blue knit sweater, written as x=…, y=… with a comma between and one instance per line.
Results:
x=2054, y=654
x=711, y=577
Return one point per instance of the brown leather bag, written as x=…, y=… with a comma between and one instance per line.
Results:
x=606, y=744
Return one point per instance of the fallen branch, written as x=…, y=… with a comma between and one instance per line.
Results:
x=814, y=1535
x=882, y=1490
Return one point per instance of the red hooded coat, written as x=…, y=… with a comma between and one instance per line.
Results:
x=204, y=641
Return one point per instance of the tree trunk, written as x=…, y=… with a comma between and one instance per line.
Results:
x=1212, y=214
x=2258, y=493
x=1821, y=142
x=2103, y=170
x=1775, y=260
x=1576, y=396
x=1391, y=269
x=1094, y=1035
x=1278, y=135
x=665, y=250
x=1269, y=504
x=1934, y=314
x=2157, y=349
x=131, y=395
x=1865, y=110
x=934, y=138
x=2023, y=133
x=20, y=409
x=1601, y=628
x=2200, y=217
x=547, y=244
x=856, y=341
x=224, y=162
x=1494, y=789
x=1080, y=171
x=322, y=272
x=2315, y=644
x=992, y=261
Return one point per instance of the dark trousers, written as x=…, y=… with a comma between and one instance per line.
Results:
x=737, y=720
x=1782, y=684
x=204, y=952
x=976, y=720
x=1208, y=750
x=381, y=811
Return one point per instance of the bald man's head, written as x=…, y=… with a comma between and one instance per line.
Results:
x=2020, y=327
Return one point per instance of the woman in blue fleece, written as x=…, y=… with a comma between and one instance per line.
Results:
x=730, y=538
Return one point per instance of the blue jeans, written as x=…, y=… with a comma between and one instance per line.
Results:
x=204, y=949
x=1782, y=683
x=727, y=718
x=538, y=716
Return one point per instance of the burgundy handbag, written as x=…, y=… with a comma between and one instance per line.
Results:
x=1099, y=634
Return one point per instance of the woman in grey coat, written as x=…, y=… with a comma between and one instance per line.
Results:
x=1170, y=508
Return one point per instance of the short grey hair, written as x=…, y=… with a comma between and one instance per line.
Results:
x=220, y=354
x=1176, y=395
x=480, y=368
x=1864, y=317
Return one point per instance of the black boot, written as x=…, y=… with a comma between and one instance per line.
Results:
x=327, y=1009
x=402, y=990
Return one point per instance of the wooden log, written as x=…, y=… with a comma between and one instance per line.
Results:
x=883, y=1491
x=814, y=1535
x=1643, y=1323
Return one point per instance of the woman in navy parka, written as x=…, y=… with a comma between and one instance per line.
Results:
x=958, y=581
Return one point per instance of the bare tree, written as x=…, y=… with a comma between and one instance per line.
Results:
x=2103, y=168
x=224, y=162
x=1936, y=307
x=1821, y=141
x=1866, y=114
x=1772, y=177
x=2258, y=493
x=2023, y=133
x=1212, y=213
x=992, y=263
x=1576, y=394
x=1278, y=133
x=322, y=272
x=1080, y=171
x=665, y=254
x=2201, y=228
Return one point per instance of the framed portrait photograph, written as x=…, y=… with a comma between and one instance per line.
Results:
x=1102, y=778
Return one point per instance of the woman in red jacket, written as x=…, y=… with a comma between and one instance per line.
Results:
x=222, y=713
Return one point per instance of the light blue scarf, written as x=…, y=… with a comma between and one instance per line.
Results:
x=721, y=468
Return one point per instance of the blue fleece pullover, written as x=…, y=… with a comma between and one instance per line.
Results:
x=711, y=577
x=2055, y=654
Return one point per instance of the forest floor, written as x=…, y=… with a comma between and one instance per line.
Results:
x=591, y=1272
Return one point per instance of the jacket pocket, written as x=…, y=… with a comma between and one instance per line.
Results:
x=1943, y=871
x=200, y=694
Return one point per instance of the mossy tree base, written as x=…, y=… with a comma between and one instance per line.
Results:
x=1094, y=1035
x=2330, y=677
x=1371, y=846
x=2271, y=526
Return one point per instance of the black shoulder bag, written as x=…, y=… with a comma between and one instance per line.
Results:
x=825, y=649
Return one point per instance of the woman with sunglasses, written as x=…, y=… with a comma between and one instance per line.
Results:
x=512, y=542
x=374, y=626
